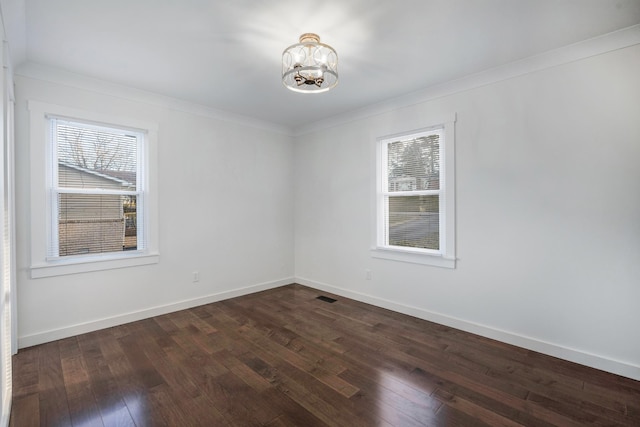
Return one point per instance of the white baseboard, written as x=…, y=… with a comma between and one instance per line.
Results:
x=56, y=334
x=592, y=360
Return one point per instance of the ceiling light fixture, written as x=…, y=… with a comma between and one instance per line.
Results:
x=309, y=66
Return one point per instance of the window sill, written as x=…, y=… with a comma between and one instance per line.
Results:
x=61, y=267
x=414, y=257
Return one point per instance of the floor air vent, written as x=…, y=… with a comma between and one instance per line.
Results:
x=326, y=299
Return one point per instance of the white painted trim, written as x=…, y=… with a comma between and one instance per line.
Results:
x=413, y=257
x=46, y=110
x=446, y=256
x=6, y=409
x=617, y=367
x=62, y=267
x=620, y=39
x=69, y=331
x=42, y=179
x=54, y=75
x=7, y=218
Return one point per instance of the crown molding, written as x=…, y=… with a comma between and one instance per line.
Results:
x=619, y=39
x=49, y=74
x=609, y=42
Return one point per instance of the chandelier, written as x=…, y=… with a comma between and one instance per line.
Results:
x=309, y=66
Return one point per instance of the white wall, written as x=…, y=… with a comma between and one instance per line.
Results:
x=548, y=212
x=225, y=202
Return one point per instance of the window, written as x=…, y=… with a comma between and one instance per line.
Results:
x=93, y=191
x=414, y=196
x=98, y=190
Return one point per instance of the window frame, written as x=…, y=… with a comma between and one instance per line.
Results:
x=43, y=173
x=445, y=255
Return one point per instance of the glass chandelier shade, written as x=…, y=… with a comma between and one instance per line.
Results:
x=309, y=66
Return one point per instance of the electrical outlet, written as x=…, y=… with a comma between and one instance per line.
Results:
x=196, y=276
x=367, y=274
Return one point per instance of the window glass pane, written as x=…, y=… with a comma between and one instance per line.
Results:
x=92, y=157
x=414, y=221
x=94, y=223
x=414, y=164
x=130, y=223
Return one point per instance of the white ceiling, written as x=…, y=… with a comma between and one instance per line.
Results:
x=226, y=54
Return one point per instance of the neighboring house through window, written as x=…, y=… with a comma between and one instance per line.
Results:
x=415, y=202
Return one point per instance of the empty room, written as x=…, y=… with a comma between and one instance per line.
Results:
x=330, y=213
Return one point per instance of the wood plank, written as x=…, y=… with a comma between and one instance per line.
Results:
x=54, y=408
x=25, y=411
x=82, y=404
x=129, y=386
x=25, y=372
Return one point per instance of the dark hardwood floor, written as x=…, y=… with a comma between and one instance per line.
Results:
x=284, y=358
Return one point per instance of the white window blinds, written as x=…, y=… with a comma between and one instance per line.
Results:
x=97, y=191
x=410, y=191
